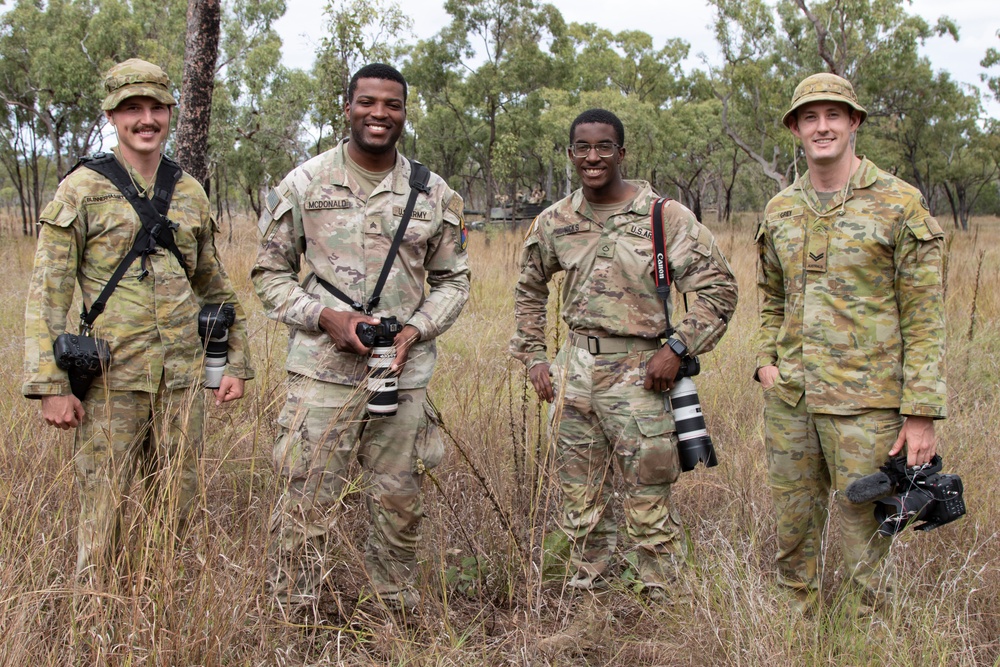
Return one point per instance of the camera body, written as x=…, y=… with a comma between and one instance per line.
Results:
x=693, y=441
x=214, y=322
x=921, y=493
x=383, y=399
x=83, y=358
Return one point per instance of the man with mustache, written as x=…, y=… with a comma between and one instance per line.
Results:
x=147, y=410
x=337, y=216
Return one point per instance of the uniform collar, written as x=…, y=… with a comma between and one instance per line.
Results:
x=339, y=172
x=640, y=204
x=863, y=177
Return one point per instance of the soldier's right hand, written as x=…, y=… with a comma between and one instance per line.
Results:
x=539, y=376
x=63, y=412
x=767, y=375
x=342, y=326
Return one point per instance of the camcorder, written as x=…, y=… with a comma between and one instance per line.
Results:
x=693, y=441
x=83, y=358
x=905, y=495
x=383, y=399
x=214, y=322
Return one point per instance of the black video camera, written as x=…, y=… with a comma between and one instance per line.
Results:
x=694, y=445
x=83, y=358
x=919, y=493
x=384, y=397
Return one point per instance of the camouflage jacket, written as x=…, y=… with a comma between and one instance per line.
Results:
x=319, y=213
x=852, y=308
x=609, y=288
x=151, y=324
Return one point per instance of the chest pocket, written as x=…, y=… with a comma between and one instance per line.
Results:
x=575, y=245
x=423, y=224
x=788, y=236
x=633, y=258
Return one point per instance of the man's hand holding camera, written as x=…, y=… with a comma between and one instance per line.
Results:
x=63, y=412
x=661, y=370
x=342, y=326
x=917, y=435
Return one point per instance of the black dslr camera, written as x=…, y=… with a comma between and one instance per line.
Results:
x=919, y=493
x=693, y=441
x=214, y=321
x=83, y=358
x=383, y=400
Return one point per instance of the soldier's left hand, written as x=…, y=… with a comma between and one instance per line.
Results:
x=661, y=371
x=917, y=435
x=404, y=340
x=229, y=389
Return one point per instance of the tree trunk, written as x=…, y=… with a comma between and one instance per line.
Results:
x=200, y=54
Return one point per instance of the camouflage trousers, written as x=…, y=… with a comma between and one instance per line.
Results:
x=123, y=432
x=602, y=414
x=807, y=455
x=320, y=428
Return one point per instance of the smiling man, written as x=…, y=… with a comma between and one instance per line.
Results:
x=337, y=215
x=606, y=382
x=146, y=411
x=850, y=350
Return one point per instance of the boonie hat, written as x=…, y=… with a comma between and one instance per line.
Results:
x=824, y=87
x=134, y=78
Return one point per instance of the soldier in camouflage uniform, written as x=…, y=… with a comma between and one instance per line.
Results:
x=146, y=411
x=607, y=382
x=850, y=350
x=339, y=211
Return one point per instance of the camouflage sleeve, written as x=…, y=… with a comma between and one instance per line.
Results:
x=275, y=274
x=771, y=292
x=212, y=285
x=920, y=295
x=531, y=297
x=50, y=295
x=448, y=274
x=697, y=265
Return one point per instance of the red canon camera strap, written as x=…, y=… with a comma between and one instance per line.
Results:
x=661, y=266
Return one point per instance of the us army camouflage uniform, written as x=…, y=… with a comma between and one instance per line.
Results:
x=147, y=409
x=319, y=212
x=853, y=317
x=601, y=408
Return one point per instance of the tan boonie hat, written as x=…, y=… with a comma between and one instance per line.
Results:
x=824, y=87
x=134, y=78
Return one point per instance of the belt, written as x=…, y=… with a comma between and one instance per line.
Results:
x=615, y=345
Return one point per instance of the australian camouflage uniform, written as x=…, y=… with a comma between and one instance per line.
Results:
x=601, y=409
x=319, y=212
x=853, y=317
x=142, y=411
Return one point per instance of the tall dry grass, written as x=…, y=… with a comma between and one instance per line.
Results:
x=490, y=547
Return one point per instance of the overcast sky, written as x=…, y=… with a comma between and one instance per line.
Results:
x=978, y=21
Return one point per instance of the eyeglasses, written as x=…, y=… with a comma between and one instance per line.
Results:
x=604, y=149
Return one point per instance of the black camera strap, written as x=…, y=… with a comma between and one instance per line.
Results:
x=661, y=267
x=157, y=230
x=419, y=177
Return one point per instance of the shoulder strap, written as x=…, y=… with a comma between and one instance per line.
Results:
x=420, y=175
x=151, y=213
x=661, y=266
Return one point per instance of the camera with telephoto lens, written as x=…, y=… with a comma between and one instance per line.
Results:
x=383, y=400
x=693, y=441
x=214, y=321
x=905, y=495
x=83, y=358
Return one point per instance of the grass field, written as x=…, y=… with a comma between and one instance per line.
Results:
x=489, y=594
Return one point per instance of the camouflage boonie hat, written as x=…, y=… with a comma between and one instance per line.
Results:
x=134, y=78
x=824, y=87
